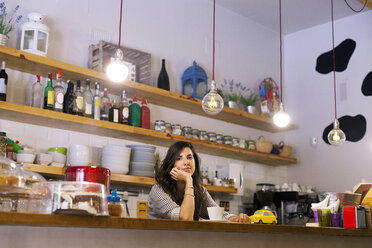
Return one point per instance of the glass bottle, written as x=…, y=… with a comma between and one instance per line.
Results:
x=3, y=82
x=145, y=114
x=163, y=79
x=37, y=93
x=49, y=93
x=97, y=103
x=105, y=105
x=124, y=108
x=135, y=113
x=68, y=100
x=58, y=93
x=88, y=100
x=114, y=112
x=79, y=100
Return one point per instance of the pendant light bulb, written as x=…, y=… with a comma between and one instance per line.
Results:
x=117, y=70
x=212, y=102
x=281, y=118
x=336, y=136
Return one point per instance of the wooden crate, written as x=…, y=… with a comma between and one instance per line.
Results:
x=100, y=54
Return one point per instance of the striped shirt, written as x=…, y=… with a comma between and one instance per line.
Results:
x=161, y=205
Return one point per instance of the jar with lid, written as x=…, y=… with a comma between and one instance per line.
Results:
x=227, y=140
x=251, y=145
x=195, y=133
x=3, y=143
x=203, y=135
x=186, y=131
x=176, y=129
x=242, y=143
x=235, y=142
x=168, y=128
x=219, y=138
x=160, y=125
x=212, y=137
x=115, y=205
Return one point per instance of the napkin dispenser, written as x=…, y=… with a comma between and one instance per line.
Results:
x=354, y=217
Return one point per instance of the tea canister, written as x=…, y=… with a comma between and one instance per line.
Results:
x=227, y=140
x=251, y=145
x=168, y=128
x=219, y=138
x=176, y=129
x=212, y=137
x=186, y=131
x=203, y=135
x=195, y=133
x=235, y=142
x=160, y=125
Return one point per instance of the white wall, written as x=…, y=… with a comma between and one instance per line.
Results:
x=309, y=99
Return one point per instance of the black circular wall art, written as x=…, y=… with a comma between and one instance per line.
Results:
x=367, y=85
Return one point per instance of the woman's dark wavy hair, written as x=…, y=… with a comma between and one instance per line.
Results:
x=169, y=185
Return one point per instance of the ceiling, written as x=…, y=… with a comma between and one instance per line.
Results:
x=296, y=14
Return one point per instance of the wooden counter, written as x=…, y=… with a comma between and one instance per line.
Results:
x=59, y=220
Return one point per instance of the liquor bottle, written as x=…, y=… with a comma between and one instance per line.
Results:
x=49, y=94
x=58, y=93
x=135, y=113
x=114, y=113
x=79, y=100
x=68, y=100
x=37, y=94
x=124, y=108
x=97, y=103
x=145, y=114
x=105, y=105
x=163, y=79
x=3, y=82
x=88, y=100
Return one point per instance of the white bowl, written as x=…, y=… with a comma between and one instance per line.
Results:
x=77, y=148
x=79, y=161
x=58, y=157
x=25, y=158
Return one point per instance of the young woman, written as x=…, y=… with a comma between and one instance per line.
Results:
x=179, y=193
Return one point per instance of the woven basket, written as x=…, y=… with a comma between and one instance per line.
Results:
x=263, y=145
x=285, y=151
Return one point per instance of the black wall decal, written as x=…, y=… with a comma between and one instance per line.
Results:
x=354, y=128
x=343, y=52
x=367, y=85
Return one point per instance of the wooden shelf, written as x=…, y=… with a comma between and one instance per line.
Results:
x=60, y=220
x=36, y=116
x=31, y=63
x=118, y=178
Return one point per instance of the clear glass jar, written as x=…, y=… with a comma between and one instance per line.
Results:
x=251, y=145
x=160, y=125
x=203, y=135
x=186, y=131
x=212, y=137
x=195, y=133
x=235, y=142
x=168, y=128
x=219, y=138
x=242, y=143
x=227, y=140
x=176, y=129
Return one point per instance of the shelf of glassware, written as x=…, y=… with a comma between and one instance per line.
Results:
x=42, y=117
x=118, y=178
x=31, y=63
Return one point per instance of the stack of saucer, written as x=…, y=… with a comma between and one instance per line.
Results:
x=116, y=158
x=142, y=161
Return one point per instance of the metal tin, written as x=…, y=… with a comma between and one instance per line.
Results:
x=251, y=145
x=219, y=138
x=176, y=129
x=227, y=140
x=186, y=131
x=160, y=125
x=203, y=135
x=168, y=128
x=195, y=134
x=235, y=142
x=212, y=137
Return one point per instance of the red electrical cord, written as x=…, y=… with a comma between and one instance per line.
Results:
x=357, y=11
x=281, y=66
x=121, y=11
x=334, y=59
x=214, y=27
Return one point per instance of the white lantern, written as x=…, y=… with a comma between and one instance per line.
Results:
x=35, y=35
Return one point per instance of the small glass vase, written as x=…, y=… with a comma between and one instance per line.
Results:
x=4, y=39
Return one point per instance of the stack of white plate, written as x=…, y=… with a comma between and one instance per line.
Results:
x=116, y=158
x=142, y=160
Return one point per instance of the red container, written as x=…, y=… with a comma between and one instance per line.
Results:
x=88, y=174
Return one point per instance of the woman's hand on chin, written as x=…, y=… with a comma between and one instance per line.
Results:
x=180, y=175
x=242, y=218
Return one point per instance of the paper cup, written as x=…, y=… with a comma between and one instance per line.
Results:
x=215, y=213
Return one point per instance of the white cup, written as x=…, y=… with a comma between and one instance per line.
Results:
x=215, y=213
x=79, y=155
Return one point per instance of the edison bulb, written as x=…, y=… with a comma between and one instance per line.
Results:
x=212, y=102
x=281, y=118
x=117, y=71
x=336, y=136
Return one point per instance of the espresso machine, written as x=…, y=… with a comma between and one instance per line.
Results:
x=264, y=197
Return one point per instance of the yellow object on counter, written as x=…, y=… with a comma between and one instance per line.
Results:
x=142, y=209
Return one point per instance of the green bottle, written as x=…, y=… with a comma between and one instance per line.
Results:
x=49, y=94
x=135, y=113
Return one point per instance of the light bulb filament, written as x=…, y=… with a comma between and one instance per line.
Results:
x=212, y=103
x=336, y=137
